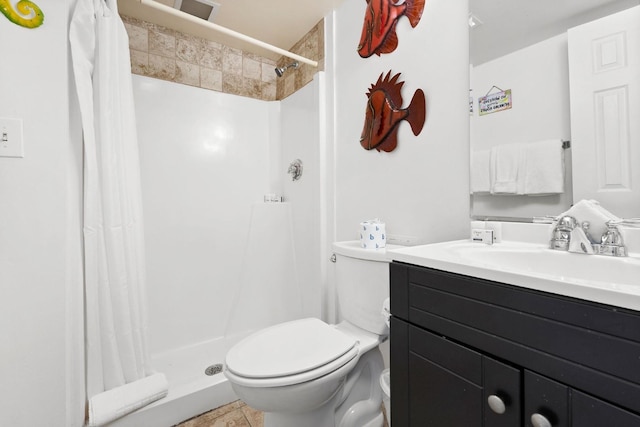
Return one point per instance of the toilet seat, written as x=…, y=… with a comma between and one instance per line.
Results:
x=290, y=353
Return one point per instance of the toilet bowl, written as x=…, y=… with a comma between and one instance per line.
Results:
x=310, y=373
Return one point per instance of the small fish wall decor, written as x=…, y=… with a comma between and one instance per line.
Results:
x=379, y=28
x=384, y=113
x=27, y=15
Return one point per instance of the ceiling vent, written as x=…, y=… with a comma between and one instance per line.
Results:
x=204, y=9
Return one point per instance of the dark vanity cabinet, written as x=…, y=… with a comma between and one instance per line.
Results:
x=469, y=352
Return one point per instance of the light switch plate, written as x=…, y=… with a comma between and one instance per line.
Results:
x=11, y=138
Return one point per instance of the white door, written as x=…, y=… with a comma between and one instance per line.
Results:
x=604, y=73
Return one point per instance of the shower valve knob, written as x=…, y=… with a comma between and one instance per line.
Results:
x=295, y=169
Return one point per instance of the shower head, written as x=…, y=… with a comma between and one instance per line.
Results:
x=280, y=70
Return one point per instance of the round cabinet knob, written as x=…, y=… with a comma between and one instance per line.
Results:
x=540, y=421
x=496, y=404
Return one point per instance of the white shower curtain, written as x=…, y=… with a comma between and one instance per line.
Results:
x=119, y=377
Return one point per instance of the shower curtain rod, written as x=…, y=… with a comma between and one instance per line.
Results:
x=206, y=24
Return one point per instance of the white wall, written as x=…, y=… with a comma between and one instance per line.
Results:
x=40, y=230
x=538, y=77
x=300, y=127
x=421, y=189
x=205, y=160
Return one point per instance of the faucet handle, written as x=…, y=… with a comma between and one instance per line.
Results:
x=612, y=243
x=585, y=227
x=562, y=233
x=567, y=223
x=612, y=236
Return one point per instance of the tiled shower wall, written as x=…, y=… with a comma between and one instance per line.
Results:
x=310, y=46
x=166, y=54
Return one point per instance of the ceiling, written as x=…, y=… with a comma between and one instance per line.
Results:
x=280, y=23
x=509, y=25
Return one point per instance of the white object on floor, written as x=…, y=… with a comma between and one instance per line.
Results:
x=115, y=403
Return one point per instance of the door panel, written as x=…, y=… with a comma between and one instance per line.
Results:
x=588, y=411
x=546, y=398
x=445, y=382
x=439, y=398
x=604, y=74
x=502, y=382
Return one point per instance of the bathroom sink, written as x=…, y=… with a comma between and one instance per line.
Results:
x=609, y=280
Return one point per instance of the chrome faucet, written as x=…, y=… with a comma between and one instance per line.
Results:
x=562, y=233
x=611, y=242
x=295, y=169
x=585, y=227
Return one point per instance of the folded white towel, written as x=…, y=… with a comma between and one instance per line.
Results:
x=480, y=171
x=592, y=212
x=505, y=164
x=115, y=403
x=543, y=168
x=579, y=242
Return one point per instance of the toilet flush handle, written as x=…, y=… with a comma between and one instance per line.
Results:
x=333, y=258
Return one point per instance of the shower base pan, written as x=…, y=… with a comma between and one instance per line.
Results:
x=196, y=385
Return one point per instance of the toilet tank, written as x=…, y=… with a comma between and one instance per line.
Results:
x=362, y=284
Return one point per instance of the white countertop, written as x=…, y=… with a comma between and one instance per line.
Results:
x=608, y=280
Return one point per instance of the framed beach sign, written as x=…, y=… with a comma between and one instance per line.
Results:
x=494, y=102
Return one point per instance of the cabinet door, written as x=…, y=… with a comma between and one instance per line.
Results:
x=502, y=394
x=400, y=367
x=588, y=411
x=444, y=382
x=546, y=402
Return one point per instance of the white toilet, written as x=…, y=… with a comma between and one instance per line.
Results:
x=307, y=373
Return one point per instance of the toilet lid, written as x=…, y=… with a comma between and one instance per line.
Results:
x=287, y=349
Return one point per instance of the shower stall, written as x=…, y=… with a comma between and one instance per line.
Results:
x=220, y=261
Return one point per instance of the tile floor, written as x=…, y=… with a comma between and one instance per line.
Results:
x=235, y=414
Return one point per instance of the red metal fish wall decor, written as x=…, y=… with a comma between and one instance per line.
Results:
x=379, y=28
x=384, y=114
